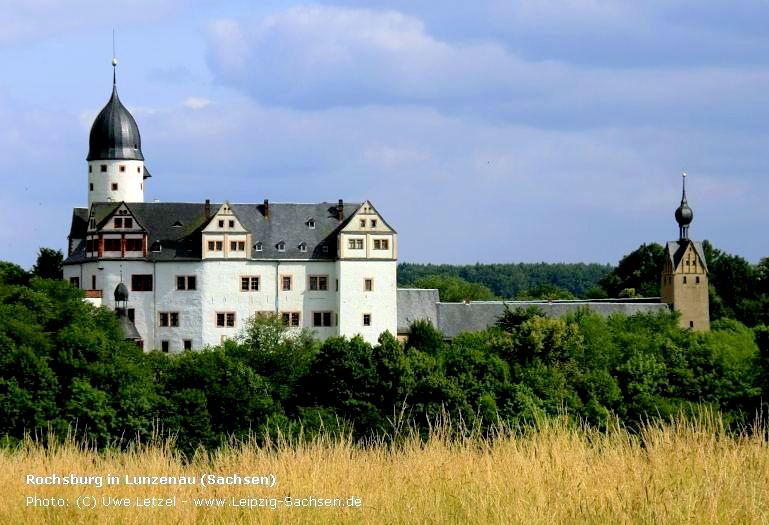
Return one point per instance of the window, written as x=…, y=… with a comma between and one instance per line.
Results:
x=128, y=222
x=281, y=246
x=684, y=279
x=215, y=246
x=363, y=223
x=366, y=319
x=221, y=223
x=186, y=282
x=318, y=282
x=368, y=285
x=231, y=224
x=118, y=222
x=373, y=223
x=122, y=169
x=90, y=169
x=133, y=245
x=249, y=284
x=381, y=244
x=697, y=279
x=111, y=245
x=290, y=318
x=225, y=319
x=188, y=344
x=92, y=224
x=104, y=168
x=311, y=224
x=691, y=324
x=321, y=319
x=258, y=246
x=355, y=244
x=138, y=169
x=141, y=283
x=168, y=319
x=132, y=314
x=164, y=346
x=114, y=186
x=285, y=282
x=93, y=282
x=75, y=281
x=90, y=186
x=324, y=249
x=237, y=246
x=303, y=247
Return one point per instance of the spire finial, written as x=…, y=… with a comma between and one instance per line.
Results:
x=683, y=187
x=114, y=60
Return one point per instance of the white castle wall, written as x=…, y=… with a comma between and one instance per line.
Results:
x=354, y=301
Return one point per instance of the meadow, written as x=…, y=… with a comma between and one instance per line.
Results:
x=690, y=471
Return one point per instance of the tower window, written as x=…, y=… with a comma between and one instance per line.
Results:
x=697, y=279
x=104, y=168
x=90, y=186
x=368, y=285
x=188, y=344
x=90, y=169
x=164, y=346
x=684, y=279
x=122, y=169
x=114, y=186
x=691, y=324
x=138, y=169
x=366, y=319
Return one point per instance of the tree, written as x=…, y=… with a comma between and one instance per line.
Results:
x=49, y=264
x=455, y=289
x=640, y=270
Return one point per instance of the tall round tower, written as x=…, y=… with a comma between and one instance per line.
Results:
x=115, y=162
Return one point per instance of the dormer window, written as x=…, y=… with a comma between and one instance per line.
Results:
x=177, y=224
x=156, y=247
x=258, y=246
x=281, y=246
x=303, y=247
x=311, y=223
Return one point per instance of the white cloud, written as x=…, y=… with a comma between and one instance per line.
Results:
x=196, y=102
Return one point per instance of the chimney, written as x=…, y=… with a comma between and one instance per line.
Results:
x=207, y=209
x=340, y=210
x=266, y=209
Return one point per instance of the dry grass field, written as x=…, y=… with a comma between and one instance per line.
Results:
x=672, y=473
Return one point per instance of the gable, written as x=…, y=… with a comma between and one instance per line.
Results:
x=366, y=219
x=678, y=253
x=225, y=220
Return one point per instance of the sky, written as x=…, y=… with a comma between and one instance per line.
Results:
x=486, y=131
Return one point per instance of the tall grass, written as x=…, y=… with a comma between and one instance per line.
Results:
x=683, y=471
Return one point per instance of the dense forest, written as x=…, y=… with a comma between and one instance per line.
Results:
x=508, y=281
x=65, y=368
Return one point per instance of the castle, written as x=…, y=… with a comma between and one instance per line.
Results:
x=196, y=272
x=189, y=275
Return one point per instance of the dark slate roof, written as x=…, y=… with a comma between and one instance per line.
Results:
x=128, y=328
x=79, y=225
x=453, y=319
x=416, y=304
x=114, y=133
x=676, y=249
x=175, y=228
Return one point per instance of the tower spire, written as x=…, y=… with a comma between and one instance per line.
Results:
x=684, y=213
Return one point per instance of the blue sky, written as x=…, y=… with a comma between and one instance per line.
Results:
x=486, y=131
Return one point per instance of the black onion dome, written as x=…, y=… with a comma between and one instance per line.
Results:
x=114, y=133
x=684, y=214
x=121, y=292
